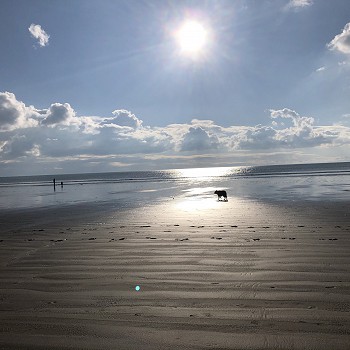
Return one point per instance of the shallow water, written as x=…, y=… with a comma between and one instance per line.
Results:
x=307, y=182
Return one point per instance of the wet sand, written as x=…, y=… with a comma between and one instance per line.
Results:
x=212, y=275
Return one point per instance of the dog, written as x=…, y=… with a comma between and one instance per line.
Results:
x=221, y=194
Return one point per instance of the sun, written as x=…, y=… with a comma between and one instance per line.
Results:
x=191, y=37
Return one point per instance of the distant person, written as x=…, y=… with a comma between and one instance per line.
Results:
x=61, y=184
x=54, y=184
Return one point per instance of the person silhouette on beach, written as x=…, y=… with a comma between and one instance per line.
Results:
x=54, y=184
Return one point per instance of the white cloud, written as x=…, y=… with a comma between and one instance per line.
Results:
x=39, y=34
x=300, y=133
x=14, y=114
x=297, y=4
x=119, y=164
x=60, y=114
x=59, y=137
x=197, y=139
x=341, y=42
x=123, y=117
x=321, y=69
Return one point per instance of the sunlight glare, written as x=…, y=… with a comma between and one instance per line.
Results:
x=191, y=37
x=204, y=173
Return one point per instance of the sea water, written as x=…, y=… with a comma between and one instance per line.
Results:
x=296, y=182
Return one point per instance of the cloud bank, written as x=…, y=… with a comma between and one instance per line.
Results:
x=57, y=139
x=39, y=34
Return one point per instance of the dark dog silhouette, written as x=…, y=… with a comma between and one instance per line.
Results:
x=221, y=194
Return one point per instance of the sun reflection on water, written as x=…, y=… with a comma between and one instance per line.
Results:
x=197, y=199
x=204, y=174
x=197, y=204
x=202, y=183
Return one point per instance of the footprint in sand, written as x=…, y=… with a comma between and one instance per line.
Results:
x=92, y=238
x=256, y=239
x=292, y=238
x=151, y=238
x=183, y=239
x=234, y=226
x=121, y=239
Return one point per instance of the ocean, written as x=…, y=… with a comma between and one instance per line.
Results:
x=296, y=182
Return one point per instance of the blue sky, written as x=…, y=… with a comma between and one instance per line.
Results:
x=103, y=85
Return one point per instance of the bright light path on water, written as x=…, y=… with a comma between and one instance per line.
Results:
x=204, y=173
x=197, y=199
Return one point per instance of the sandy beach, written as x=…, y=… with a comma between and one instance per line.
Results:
x=240, y=274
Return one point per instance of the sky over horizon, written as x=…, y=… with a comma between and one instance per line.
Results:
x=118, y=85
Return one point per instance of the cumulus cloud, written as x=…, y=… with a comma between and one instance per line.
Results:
x=18, y=146
x=341, y=42
x=298, y=121
x=57, y=135
x=123, y=117
x=14, y=114
x=288, y=130
x=60, y=114
x=197, y=139
x=39, y=34
x=302, y=133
